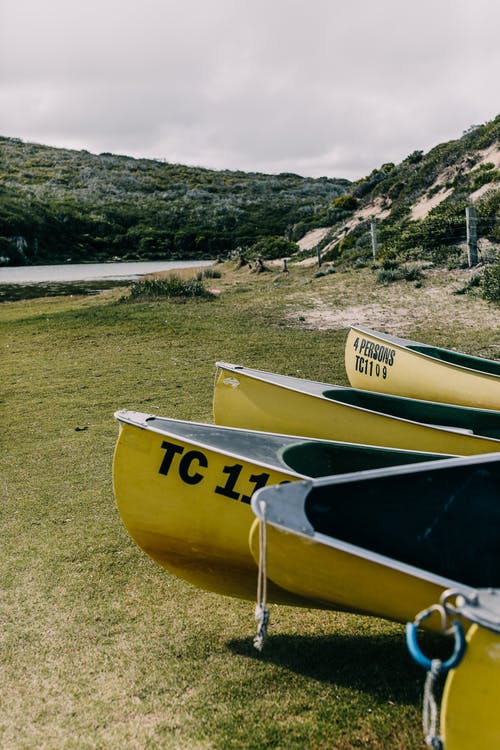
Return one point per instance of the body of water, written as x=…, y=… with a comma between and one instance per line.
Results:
x=68, y=272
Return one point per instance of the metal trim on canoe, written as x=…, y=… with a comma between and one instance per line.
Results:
x=316, y=389
x=143, y=422
x=130, y=417
x=484, y=610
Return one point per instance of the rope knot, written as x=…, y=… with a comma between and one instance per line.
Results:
x=262, y=619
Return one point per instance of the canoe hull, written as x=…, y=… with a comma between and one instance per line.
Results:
x=379, y=363
x=469, y=708
x=196, y=529
x=385, y=542
x=344, y=579
x=245, y=399
x=183, y=490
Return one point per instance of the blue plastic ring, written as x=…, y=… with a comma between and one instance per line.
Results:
x=458, y=649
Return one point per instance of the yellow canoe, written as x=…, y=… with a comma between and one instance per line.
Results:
x=385, y=542
x=183, y=491
x=387, y=364
x=469, y=708
x=259, y=400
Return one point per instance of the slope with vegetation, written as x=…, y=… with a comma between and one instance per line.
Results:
x=419, y=205
x=59, y=205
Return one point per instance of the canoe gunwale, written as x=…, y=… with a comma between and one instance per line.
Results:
x=301, y=489
x=289, y=441
x=443, y=463
x=276, y=381
x=206, y=445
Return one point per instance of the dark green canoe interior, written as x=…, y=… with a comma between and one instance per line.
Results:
x=478, y=421
x=445, y=521
x=488, y=366
x=317, y=459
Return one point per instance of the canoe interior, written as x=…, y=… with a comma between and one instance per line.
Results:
x=446, y=522
x=318, y=459
x=457, y=358
x=312, y=458
x=476, y=421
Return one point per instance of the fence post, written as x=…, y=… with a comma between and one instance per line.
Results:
x=373, y=230
x=471, y=222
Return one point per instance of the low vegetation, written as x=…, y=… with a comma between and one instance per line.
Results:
x=171, y=286
x=491, y=283
x=58, y=205
x=451, y=171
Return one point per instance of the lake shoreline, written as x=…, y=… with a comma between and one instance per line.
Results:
x=14, y=289
x=110, y=271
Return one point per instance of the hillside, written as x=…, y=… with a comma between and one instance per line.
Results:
x=58, y=205
x=418, y=205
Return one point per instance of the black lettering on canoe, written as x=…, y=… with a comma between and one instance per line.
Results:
x=227, y=489
x=185, y=466
x=259, y=480
x=171, y=449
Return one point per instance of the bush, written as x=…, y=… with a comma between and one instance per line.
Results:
x=491, y=283
x=394, y=273
x=272, y=248
x=389, y=275
x=346, y=202
x=412, y=274
x=473, y=283
x=208, y=273
x=171, y=286
x=389, y=264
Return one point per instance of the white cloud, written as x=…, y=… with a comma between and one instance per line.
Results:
x=323, y=87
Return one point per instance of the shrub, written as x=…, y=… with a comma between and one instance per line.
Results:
x=389, y=275
x=389, y=264
x=412, y=274
x=208, y=273
x=171, y=286
x=491, y=283
x=272, y=248
x=415, y=157
x=391, y=272
x=473, y=283
x=346, y=202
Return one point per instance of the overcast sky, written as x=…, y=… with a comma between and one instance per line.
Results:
x=317, y=87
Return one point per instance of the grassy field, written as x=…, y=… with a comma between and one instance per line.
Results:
x=100, y=647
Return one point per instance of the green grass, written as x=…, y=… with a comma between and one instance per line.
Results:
x=99, y=646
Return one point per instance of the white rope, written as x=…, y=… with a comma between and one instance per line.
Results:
x=430, y=713
x=261, y=610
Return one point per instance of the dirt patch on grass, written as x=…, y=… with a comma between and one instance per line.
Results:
x=397, y=308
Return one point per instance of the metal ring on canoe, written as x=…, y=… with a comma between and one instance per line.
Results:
x=454, y=660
